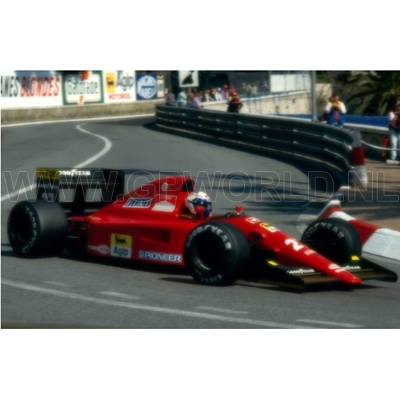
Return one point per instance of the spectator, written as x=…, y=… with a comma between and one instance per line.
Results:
x=394, y=129
x=218, y=95
x=249, y=90
x=190, y=99
x=169, y=98
x=196, y=101
x=212, y=94
x=235, y=103
x=182, y=98
x=264, y=87
x=225, y=92
x=232, y=92
x=335, y=111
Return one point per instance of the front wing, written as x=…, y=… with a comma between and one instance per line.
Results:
x=302, y=278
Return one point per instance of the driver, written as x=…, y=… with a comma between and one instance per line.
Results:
x=199, y=199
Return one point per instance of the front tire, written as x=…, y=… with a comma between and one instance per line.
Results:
x=216, y=252
x=37, y=228
x=333, y=238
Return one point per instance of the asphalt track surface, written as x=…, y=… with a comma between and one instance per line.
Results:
x=59, y=292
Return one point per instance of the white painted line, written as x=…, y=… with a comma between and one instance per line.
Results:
x=98, y=155
x=106, y=149
x=18, y=192
x=163, y=310
x=338, y=324
x=121, y=295
x=57, y=283
x=223, y=310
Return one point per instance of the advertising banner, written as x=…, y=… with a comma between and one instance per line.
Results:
x=146, y=86
x=119, y=86
x=188, y=79
x=20, y=89
x=79, y=91
x=160, y=86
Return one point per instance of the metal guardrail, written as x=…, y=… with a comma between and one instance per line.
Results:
x=311, y=143
x=371, y=139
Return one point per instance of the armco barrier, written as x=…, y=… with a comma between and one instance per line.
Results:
x=371, y=138
x=320, y=146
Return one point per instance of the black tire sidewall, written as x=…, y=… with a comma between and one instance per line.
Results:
x=233, y=255
x=21, y=213
x=44, y=227
x=347, y=242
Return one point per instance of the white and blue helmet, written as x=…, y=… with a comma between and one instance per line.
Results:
x=200, y=199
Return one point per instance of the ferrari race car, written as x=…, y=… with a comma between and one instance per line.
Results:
x=151, y=224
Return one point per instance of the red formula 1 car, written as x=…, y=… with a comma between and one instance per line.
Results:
x=152, y=224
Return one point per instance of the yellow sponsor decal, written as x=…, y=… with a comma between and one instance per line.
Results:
x=268, y=227
x=48, y=173
x=121, y=240
x=355, y=258
x=110, y=82
x=121, y=245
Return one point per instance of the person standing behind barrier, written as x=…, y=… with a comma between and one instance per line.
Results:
x=206, y=96
x=235, y=104
x=335, y=111
x=182, y=98
x=225, y=92
x=196, y=101
x=394, y=129
x=169, y=98
x=212, y=93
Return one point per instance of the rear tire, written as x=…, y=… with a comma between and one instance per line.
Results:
x=216, y=253
x=333, y=238
x=37, y=228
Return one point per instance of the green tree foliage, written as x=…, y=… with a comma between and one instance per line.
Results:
x=371, y=91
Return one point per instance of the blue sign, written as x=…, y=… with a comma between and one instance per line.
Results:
x=146, y=87
x=138, y=203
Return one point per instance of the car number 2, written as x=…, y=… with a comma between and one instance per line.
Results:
x=296, y=245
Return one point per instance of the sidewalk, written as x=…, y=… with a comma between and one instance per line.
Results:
x=379, y=202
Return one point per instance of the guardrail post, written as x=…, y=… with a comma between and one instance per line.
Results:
x=358, y=172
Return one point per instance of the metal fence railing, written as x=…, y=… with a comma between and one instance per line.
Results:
x=314, y=144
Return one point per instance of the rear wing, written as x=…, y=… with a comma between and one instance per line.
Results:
x=80, y=190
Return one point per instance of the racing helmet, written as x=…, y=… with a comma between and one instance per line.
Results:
x=199, y=199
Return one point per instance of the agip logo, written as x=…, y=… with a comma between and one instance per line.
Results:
x=121, y=245
x=120, y=85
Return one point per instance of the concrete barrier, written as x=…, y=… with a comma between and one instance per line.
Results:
x=298, y=102
x=13, y=116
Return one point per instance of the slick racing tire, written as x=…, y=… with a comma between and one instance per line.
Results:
x=333, y=238
x=216, y=253
x=37, y=228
